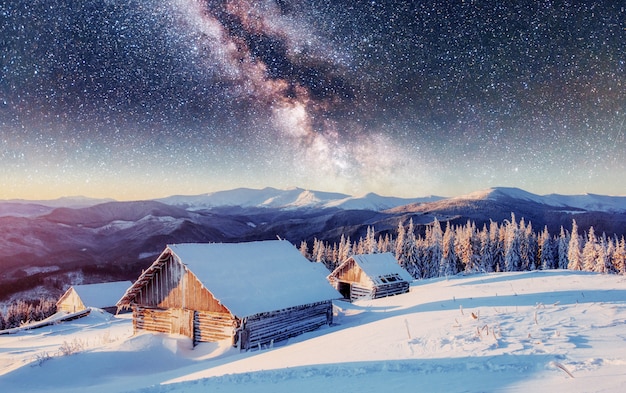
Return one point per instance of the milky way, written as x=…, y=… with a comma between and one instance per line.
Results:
x=139, y=99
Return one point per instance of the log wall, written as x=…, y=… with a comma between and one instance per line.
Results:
x=152, y=319
x=264, y=328
x=201, y=326
x=213, y=326
x=361, y=292
x=391, y=289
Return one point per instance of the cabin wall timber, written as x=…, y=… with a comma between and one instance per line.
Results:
x=268, y=327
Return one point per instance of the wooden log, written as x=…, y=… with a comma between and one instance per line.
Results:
x=360, y=292
x=213, y=326
x=264, y=328
x=391, y=289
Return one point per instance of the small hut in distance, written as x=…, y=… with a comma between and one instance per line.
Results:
x=102, y=295
x=370, y=276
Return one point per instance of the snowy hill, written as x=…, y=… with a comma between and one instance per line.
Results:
x=541, y=331
x=294, y=198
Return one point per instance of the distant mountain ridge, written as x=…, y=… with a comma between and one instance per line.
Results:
x=587, y=202
x=299, y=198
x=294, y=198
x=49, y=244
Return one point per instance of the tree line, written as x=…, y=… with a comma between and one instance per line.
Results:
x=497, y=247
x=22, y=312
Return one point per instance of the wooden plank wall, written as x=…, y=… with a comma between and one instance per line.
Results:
x=71, y=303
x=152, y=319
x=161, y=290
x=351, y=272
x=361, y=292
x=174, y=287
x=390, y=289
x=264, y=328
x=213, y=326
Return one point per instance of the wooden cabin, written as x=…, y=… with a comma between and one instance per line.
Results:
x=252, y=293
x=103, y=295
x=370, y=276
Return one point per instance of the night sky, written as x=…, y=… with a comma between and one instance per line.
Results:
x=142, y=99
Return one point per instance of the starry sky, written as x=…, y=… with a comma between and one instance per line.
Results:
x=135, y=99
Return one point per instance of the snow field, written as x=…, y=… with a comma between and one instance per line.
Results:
x=509, y=332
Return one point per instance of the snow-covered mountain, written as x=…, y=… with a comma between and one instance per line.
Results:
x=587, y=202
x=114, y=240
x=289, y=199
x=298, y=198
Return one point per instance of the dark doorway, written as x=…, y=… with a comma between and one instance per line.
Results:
x=344, y=289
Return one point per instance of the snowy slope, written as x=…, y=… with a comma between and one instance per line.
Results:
x=508, y=332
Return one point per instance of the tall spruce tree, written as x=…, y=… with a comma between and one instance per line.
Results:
x=448, y=264
x=590, y=252
x=562, y=249
x=512, y=259
x=573, y=250
x=435, y=251
x=619, y=257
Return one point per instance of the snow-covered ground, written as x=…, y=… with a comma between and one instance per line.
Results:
x=511, y=332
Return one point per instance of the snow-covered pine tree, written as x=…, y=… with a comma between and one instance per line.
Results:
x=590, y=252
x=512, y=258
x=448, y=265
x=304, y=249
x=524, y=252
x=607, y=251
x=486, y=253
x=532, y=247
x=435, y=250
x=574, y=256
x=384, y=243
x=619, y=257
x=546, y=250
x=463, y=247
x=345, y=249
x=411, y=253
x=330, y=256
x=497, y=247
x=371, y=247
x=562, y=249
x=400, y=244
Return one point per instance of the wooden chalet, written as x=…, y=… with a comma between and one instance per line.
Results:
x=252, y=293
x=370, y=276
x=102, y=295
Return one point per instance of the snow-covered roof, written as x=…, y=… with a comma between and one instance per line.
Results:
x=379, y=266
x=254, y=277
x=101, y=295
